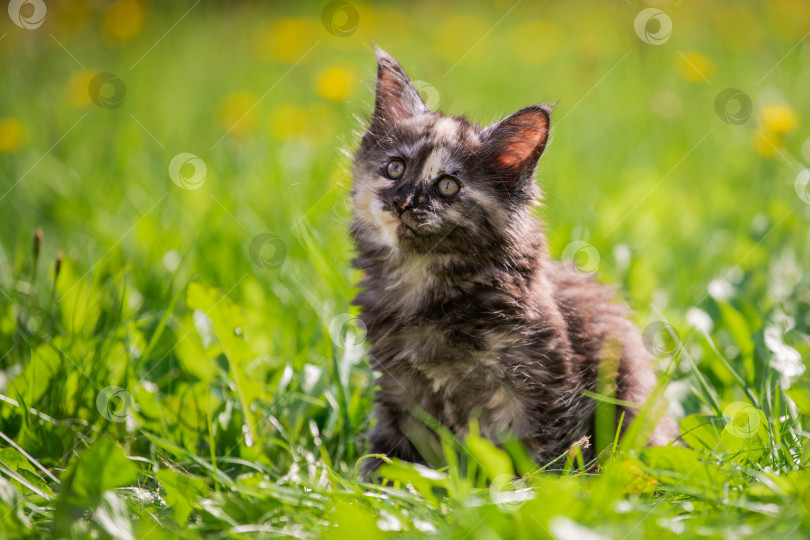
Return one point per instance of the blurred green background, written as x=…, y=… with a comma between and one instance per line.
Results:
x=692, y=196
x=265, y=95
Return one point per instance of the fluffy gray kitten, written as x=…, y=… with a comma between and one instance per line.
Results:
x=466, y=316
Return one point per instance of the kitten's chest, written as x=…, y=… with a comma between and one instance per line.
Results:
x=455, y=345
x=455, y=377
x=411, y=287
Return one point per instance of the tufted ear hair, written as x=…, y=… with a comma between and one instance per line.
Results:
x=513, y=146
x=396, y=98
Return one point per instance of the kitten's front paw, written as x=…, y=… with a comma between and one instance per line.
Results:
x=369, y=466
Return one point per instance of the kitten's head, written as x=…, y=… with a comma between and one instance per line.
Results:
x=429, y=183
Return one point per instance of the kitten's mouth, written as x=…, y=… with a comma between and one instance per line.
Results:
x=414, y=234
x=407, y=230
x=410, y=226
x=418, y=237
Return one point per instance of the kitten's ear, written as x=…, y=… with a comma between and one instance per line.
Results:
x=513, y=145
x=396, y=97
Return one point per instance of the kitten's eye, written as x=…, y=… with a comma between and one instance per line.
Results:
x=395, y=169
x=447, y=186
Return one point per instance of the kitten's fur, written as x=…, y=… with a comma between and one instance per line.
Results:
x=466, y=315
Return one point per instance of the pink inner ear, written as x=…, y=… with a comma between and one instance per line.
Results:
x=396, y=98
x=389, y=92
x=518, y=148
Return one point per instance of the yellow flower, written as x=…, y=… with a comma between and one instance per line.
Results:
x=766, y=143
x=335, y=83
x=775, y=121
x=238, y=114
x=778, y=118
x=78, y=88
x=789, y=18
x=288, y=122
x=377, y=21
x=122, y=21
x=694, y=66
x=12, y=135
x=286, y=41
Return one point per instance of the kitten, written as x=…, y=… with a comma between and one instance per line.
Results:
x=466, y=316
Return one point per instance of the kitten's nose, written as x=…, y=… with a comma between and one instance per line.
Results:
x=401, y=205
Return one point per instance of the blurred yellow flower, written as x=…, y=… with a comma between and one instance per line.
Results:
x=766, y=143
x=789, y=18
x=535, y=42
x=78, y=88
x=13, y=134
x=237, y=112
x=287, y=40
x=778, y=118
x=335, y=83
x=377, y=21
x=287, y=122
x=694, y=66
x=122, y=21
x=775, y=121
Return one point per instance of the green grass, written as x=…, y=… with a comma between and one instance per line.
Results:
x=180, y=378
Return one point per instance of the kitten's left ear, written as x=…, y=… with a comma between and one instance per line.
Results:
x=396, y=97
x=513, y=145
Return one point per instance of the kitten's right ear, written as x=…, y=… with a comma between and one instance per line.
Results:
x=396, y=97
x=513, y=145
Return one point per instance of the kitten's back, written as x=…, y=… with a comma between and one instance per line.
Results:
x=599, y=329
